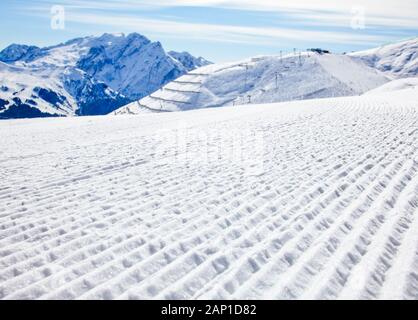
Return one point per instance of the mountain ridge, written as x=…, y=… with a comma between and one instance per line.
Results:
x=267, y=79
x=99, y=73
x=399, y=59
x=263, y=79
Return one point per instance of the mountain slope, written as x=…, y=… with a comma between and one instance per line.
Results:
x=100, y=74
x=188, y=61
x=263, y=80
x=132, y=65
x=16, y=52
x=31, y=92
x=398, y=86
x=399, y=60
x=26, y=94
x=309, y=199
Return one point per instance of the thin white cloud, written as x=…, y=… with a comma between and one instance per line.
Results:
x=390, y=13
x=311, y=20
x=224, y=33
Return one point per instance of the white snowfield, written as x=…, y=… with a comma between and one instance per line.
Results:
x=313, y=199
x=397, y=86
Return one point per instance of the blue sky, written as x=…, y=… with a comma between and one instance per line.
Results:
x=219, y=30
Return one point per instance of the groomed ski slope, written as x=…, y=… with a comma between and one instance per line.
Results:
x=155, y=206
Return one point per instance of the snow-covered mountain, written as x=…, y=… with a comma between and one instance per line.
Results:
x=91, y=75
x=398, y=60
x=131, y=74
x=26, y=92
x=263, y=80
x=188, y=61
x=16, y=52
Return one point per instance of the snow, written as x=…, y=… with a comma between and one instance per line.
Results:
x=263, y=79
x=188, y=61
x=409, y=84
x=96, y=74
x=305, y=199
x=20, y=82
x=398, y=60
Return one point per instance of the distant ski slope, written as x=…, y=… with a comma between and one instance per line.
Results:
x=262, y=80
x=321, y=202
